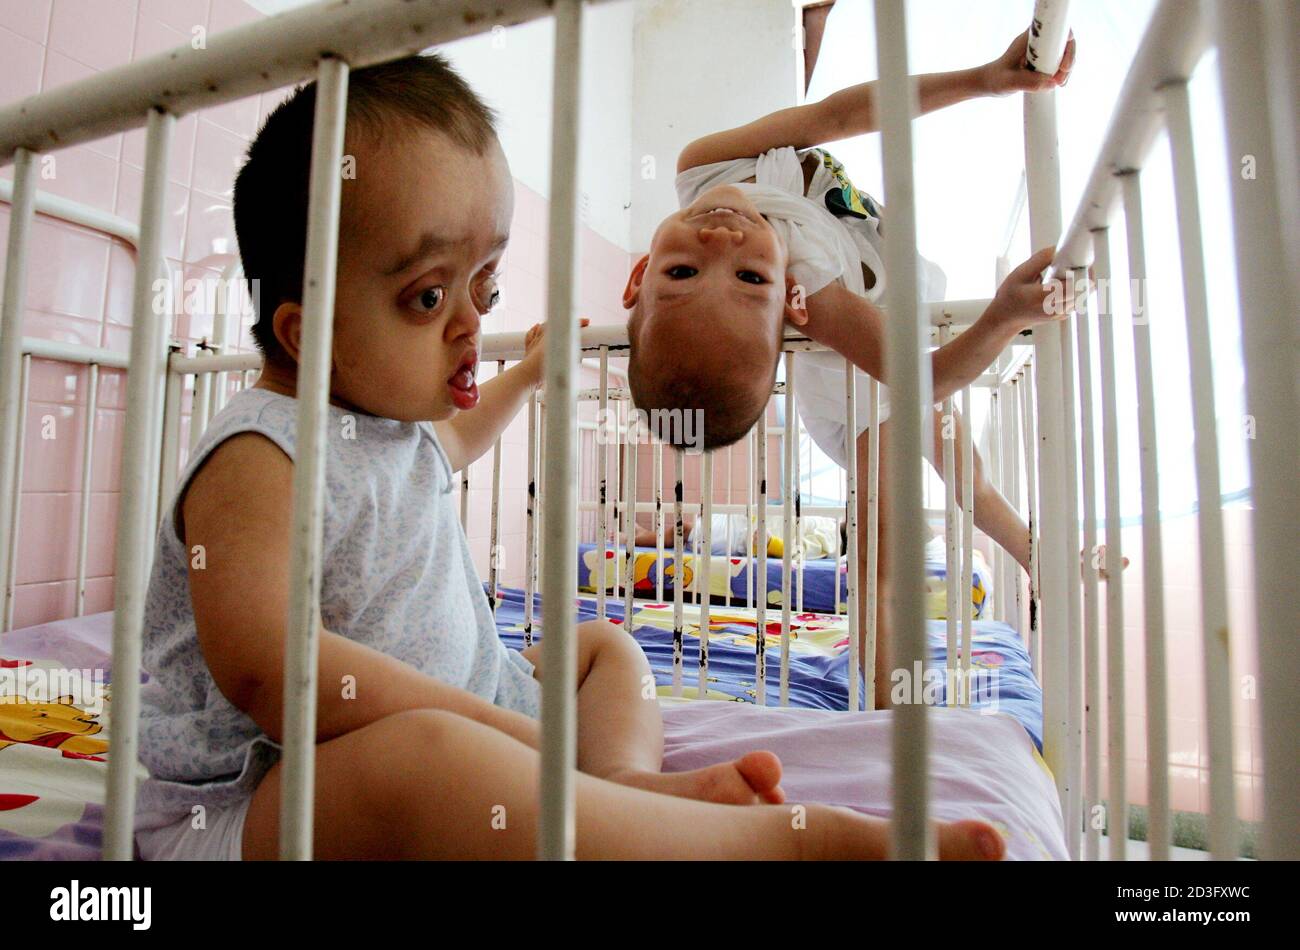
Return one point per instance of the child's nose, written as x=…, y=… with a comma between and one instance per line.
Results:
x=722, y=234
x=465, y=321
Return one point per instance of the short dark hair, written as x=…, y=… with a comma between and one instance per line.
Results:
x=271, y=189
x=728, y=410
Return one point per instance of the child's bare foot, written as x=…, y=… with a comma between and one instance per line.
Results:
x=849, y=835
x=752, y=779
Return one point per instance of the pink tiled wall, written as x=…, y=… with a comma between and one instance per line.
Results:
x=80, y=281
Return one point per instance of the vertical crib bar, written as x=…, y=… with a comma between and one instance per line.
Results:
x=301, y=642
x=620, y=488
x=171, y=434
x=1215, y=635
x=997, y=479
x=1116, y=764
x=695, y=554
x=139, y=492
x=87, y=481
x=633, y=454
x=836, y=601
x=11, y=344
x=787, y=537
x=748, y=543
x=1030, y=434
x=11, y=582
x=559, y=578
x=679, y=566
x=1266, y=290
x=1010, y=410
x=1042, y=168
x=530, y=538
x=702, y=578
x=851, y=527
x=603, y=440
x=1158, y=834
x=967, y=544
x=873, y=546
x=909, y=383
x=658, y=458
x=494, y=529
x=1091, y=647
x=951, y=535
x=760, y=558
x=199, y=404
x=802, y=552
x=1074, y=624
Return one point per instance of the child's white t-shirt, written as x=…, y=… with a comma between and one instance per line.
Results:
x=396, y=576
x=830, y=230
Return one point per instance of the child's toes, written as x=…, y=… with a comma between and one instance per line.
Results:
x=762, y=771
x=970, y=841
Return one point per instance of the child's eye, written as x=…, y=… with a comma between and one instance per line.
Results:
x=750, y=277
x=430, y=299
x=488, y=295
x=681, y=272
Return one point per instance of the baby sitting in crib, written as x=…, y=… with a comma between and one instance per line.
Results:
x=771, y=230
x=425, y=723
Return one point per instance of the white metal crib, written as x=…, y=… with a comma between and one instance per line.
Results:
x=1042, y=394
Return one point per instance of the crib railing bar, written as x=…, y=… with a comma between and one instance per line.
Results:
x=11, y=347
x=530, y=527
x=702, y=576
x=302, y=639
x=999, y=597
x=1266, y=291
x=951, y=529
x=494, y=524
x=851, y=526
x=679, y=566
x=1116, y=705
x=1073, y=602
x=788, y=536
x=603, y=442
x=1159, y=832
x=748, y=543
x=559, y=569
x=658, y=461
x=1042, y=167
x=11, y=580
x=910, y=399
x=873, y=539
x=620, y=490
x=1215, y=635
x=136, y=503
x=1176, y=36
x=87, y=482
x=221, y=327
x=967, y=545
x=279, y=51
x=1091, y=632
x=88, y=216
x=800, y=550
x=760, y=559
x=1010, y=412
x=632, y=455
x=1029, y=433
x=173, y=392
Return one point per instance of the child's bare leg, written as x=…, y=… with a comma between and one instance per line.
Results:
x=431, y=784
x=993, y=513
x=620, y=729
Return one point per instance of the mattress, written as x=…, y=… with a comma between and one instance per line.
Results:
x=729, y=577
x=54, y=755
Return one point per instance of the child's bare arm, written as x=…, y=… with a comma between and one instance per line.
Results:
x=468, y=435
x=848, y=324
x=852, y=111
x=237, y=509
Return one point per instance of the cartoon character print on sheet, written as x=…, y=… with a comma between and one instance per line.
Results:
x=53, y=750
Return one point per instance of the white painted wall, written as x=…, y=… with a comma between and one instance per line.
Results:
x=700, y=66
x=511, y=69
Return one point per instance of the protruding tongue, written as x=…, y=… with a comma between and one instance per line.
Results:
x=464, y=390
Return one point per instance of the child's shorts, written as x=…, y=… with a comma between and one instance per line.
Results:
x=222, y=838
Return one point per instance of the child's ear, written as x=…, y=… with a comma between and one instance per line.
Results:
x=796, y=304
x=287, y=324
x=633, y=289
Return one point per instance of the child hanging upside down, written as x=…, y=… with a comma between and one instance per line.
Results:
x=425, y=723
x=772, y=230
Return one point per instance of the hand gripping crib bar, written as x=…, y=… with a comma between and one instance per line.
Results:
x=1035, y=399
